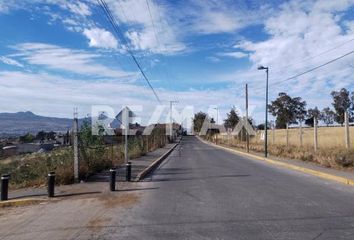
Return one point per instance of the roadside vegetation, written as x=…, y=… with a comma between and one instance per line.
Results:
x=31, y=170
x=334, y=157
x=291, y=134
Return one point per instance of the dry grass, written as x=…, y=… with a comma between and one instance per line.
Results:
x=31, y=170
x=331, y=146
x=328, y=137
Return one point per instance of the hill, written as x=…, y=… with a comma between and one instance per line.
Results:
x=15, y=124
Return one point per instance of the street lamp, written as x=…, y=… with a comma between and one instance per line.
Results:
x=266, y=114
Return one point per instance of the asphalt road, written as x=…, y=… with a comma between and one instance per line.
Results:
x=207, y=193
x=199, y=192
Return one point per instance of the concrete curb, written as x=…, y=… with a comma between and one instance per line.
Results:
x=153, y=165
x=21, y=202
x=316, y=173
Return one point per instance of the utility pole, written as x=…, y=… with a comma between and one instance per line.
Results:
x=247, y=135
x=76, y=148
x=171, y=123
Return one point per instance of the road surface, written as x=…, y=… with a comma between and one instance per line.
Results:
x=201, y=192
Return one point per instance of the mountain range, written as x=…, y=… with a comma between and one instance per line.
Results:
x=16, y=124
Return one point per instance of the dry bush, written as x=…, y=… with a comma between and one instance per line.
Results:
x=31, y=169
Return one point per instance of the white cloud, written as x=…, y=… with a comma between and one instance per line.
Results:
x=56, y=96
x=350, y=27
x=155, y=33
x=100, y=38
x=4, y=7
x=313, y=30
x=297, y=34
x=214, y=16
x=79, y=8
x=213, y=59
x=65, y=59
x=233, y=54
x=10, y=61
x=53, y=95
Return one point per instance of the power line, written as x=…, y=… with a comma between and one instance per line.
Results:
x=152, y=22
x=319, y=54
x=312, y=69
x=160, y=46
x=118, y=32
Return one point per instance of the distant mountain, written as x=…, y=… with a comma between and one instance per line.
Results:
x=15, y=124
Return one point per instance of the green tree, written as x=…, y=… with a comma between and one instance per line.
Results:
x=41, y=135
x=232, y=119
x=327, y=116
x=287, y=109
x=92, y=148
x=27, y=138
x=299, y=109
x=86, y=137
x=198, y=121
x=312, y=114
x=341, y=104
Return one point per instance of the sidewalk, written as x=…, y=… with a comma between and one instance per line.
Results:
x=97, y=183
x=342, y=176
x=138, y=165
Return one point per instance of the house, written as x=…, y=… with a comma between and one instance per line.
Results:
x=10, y=150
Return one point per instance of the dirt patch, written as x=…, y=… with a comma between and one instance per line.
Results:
x=97, y=224
x=118, y=199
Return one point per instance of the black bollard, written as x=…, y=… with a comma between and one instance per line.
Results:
x=128, y=172
x=51, y=183
x=4, y=187
x=112, y=180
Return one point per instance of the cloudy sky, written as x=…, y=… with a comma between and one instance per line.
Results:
x=57, y=54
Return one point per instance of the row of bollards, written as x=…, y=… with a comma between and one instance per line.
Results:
x=5, y=186
x=113, y=174
x=51, y=182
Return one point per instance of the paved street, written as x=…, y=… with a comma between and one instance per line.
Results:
x=199, y=192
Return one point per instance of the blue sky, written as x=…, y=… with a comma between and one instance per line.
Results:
x=56, y=55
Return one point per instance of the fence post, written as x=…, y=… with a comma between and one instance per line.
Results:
x=287, y=134
x=301, y=139
x=315, y=134
x=273, y=132
x=347, y=136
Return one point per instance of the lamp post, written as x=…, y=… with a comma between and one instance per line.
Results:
x=266, y=114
